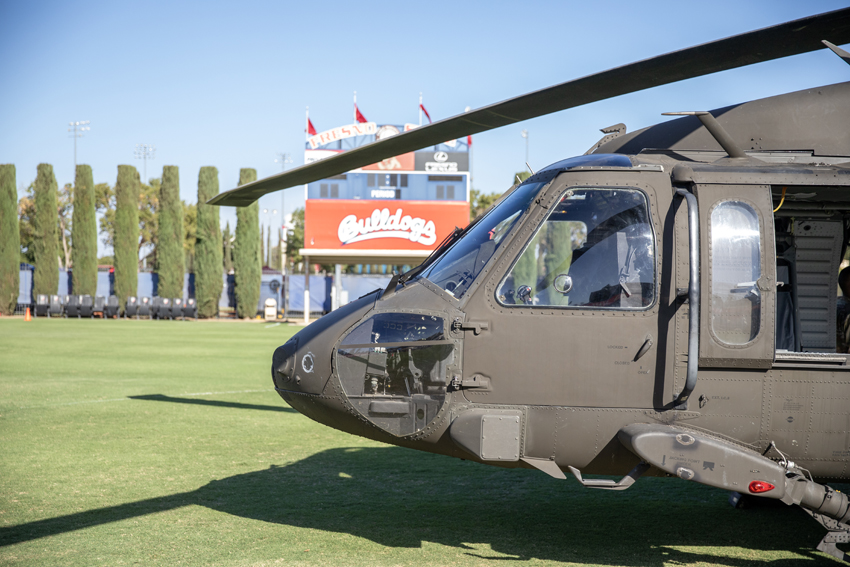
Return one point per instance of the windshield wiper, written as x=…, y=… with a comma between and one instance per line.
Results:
x=406, y=276
x=447, y=241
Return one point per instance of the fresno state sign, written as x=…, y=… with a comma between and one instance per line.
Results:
x=341, y=133
x=380, y=225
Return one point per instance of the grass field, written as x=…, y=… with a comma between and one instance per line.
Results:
x=163, y=443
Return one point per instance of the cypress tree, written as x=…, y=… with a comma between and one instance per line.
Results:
x=45, y=279
x=84, y=234
x=246, y=253
x=169, y=245
x=126, y=240
x=10, y=240
x=227, y=249
x=208, y=252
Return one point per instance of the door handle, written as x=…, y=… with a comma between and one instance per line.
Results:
x=474, y=326
x=693, y=296
x=644, y=348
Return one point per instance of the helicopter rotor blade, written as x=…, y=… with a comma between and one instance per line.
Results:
x=775, y=42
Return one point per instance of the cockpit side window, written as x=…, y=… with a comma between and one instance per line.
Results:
x=595, y=249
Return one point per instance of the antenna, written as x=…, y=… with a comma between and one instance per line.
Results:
x=716, y=130
x=838, y=51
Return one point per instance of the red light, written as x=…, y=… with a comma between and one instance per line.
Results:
x=758, y=486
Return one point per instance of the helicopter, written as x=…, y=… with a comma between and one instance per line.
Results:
x=663, y=305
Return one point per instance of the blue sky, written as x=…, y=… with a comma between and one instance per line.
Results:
x=226, y=84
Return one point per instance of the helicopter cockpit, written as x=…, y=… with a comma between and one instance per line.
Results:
x=456, y=269
x=595, y=249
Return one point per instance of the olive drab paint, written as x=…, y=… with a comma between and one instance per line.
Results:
x=661, y=306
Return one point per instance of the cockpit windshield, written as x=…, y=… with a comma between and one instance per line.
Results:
x=455, y=270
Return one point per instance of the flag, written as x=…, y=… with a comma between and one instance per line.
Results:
x=358, y=115
x=310, y=128
x=469, y=140
x=425, y=111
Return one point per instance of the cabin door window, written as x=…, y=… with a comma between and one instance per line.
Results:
x=736, y=268
x=738, y=276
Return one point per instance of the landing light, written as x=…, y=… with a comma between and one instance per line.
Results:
x=759, y=486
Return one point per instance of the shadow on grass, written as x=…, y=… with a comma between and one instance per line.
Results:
x=400, y=498
x=217, y=403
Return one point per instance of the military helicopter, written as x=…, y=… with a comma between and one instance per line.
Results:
x=664, y=305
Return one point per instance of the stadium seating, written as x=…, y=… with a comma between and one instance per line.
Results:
x=72, y=306
x=86, y=306
x=132, y=307
x=163, y=310
x=42, y=304
x=190, y=308
x=99, y=306
x=176, y=308
x=109, y=307
x=55, y=309
x=144, y=307
x=155, y=301
x=112, y=307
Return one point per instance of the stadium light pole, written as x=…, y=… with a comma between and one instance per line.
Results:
x=284, y=159
x=269, y=223
x=471, y=162
x=524, y=134
x=77, y=129
x=145, y=152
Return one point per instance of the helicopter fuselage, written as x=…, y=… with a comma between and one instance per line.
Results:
x=562, y=316
x=666, y=304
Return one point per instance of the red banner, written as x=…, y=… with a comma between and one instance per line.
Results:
x=358, y=115
x=381, y=225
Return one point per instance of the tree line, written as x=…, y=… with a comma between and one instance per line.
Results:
x=52, y=228
x=55, y=228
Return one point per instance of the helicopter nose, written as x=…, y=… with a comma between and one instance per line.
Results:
x=302, y=365
x=283, y=364
x=299, y=370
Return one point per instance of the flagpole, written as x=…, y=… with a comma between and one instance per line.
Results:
x=420, y=109
x=307, y=125
x=355, y=107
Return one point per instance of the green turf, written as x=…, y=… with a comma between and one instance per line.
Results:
x=163, y=443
